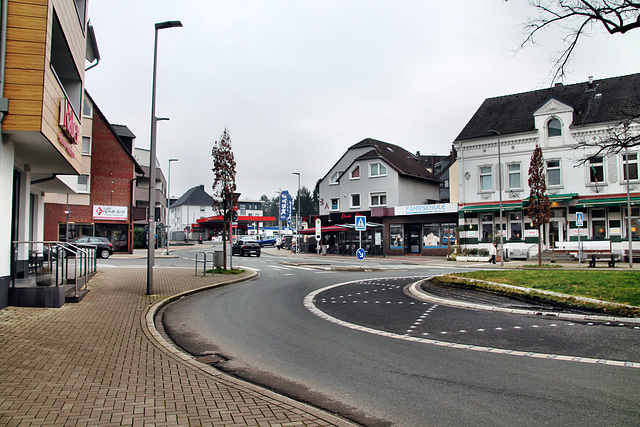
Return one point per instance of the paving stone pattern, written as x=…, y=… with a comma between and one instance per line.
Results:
x=93, y=363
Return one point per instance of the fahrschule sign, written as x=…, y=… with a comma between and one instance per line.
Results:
x=435, y=208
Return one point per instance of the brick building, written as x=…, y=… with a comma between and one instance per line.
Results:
x=102, y=203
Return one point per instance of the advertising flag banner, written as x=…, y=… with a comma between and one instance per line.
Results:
x=284, y=206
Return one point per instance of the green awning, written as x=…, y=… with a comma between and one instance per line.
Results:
x=554, y=198
x=492, y=207
x=610, y=201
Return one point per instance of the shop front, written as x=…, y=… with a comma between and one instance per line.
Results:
x=420, y=229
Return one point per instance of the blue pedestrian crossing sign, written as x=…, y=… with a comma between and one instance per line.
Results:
x=579, y=219
x=361, y=223
x=360, y=253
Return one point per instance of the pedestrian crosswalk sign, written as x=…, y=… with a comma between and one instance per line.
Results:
x=361, y=223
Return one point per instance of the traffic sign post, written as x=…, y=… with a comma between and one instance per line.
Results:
x=579, y=224
x=361, y=225
x=318, y=235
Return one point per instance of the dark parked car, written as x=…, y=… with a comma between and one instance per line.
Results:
x=104, y=247
x=246, y=248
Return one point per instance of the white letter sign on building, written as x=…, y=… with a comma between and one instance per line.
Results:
x=111, y=213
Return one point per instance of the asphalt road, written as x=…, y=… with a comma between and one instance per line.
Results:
x=261, y=330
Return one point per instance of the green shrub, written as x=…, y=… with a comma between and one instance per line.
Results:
x=139, y=238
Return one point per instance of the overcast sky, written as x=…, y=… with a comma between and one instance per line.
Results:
x=297, y=82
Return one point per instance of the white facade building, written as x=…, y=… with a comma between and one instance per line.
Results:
x=557, y=119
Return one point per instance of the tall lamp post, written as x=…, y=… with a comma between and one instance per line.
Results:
x=629, y=228
x=152, y=159
x=168, y=203
x=297, y=214
x=495, y=132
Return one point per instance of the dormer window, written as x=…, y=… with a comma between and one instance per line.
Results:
x=554, y=128
x=355, y=173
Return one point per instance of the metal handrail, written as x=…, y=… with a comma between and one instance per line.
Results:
x=57, y=260
x=204, y=261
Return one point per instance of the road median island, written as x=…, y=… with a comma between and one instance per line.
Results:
x=597, y=292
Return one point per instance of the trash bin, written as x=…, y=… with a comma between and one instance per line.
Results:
x=324, y=249
x=219, y=259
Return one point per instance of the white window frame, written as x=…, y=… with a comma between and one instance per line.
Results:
x=509, y=173
x=601, y=165
x=337, y=199
x=353, y=205
x=335, y=178
x=378, y=194
x=90, y=146
x=481, y=175
x=551, y=120
x=380, y=166
x=631, y=165
x=558, y=168
x=87, y=103
x=357, y=168
x=84, y=188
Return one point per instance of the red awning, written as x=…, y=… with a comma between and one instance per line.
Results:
x=327, y=229
x=219, y=218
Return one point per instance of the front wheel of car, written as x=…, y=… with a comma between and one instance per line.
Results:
x=104, y=254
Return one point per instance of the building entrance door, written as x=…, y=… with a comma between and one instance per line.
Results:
x=414, y=239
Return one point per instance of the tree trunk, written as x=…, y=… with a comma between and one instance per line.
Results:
x=224, y=242
x=540, y=235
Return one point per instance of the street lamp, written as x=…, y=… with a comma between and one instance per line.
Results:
x=297, y=213
x=168, y=203
x=495, y=132
x=152, y=159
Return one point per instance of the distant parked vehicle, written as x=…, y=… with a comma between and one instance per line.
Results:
x=104, y=248
x=246, y=248
x=267, y=241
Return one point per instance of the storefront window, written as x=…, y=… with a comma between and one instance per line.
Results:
x=448, y=234
x=430, y=235
x=635, y=223
x=395, y=236
x=515, y=225
x=75, y=231
x=487, y=227
x=598, y=224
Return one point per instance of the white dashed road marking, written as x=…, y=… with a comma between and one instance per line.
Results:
x=310, y=305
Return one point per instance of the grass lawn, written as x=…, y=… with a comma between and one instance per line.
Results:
x=614, y=286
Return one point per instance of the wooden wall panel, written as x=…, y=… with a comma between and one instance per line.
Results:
x=25, y=77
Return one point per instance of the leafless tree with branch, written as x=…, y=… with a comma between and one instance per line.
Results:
x=579, y=18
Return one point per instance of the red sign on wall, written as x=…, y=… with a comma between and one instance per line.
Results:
x=68, y=123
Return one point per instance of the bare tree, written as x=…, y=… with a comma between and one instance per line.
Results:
x=579, y=18
x=619, y=136
x=224, y=184
x=539, y=209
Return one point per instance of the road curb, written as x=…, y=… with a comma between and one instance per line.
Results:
x=149, y=329
x=416, y=290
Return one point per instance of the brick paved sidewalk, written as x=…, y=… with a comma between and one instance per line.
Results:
x=98, y=363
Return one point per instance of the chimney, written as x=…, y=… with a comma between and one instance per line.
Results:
x=559, y=84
